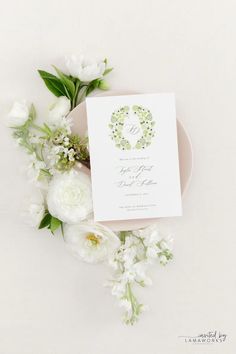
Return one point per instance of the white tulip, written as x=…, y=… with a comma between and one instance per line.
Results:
x=85, y=69
x=18, y=114
x=70, y=197
x=91, y=242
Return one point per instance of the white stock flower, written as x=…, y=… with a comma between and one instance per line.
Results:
x=34, y=168
x=34, y=208
x=59, y=110
x=69, y=197
x=91, y=242
x=36, y=212
x=118, y=289
x=139, y=250
x=85, y=69
x=18, y=114
x=127, y=305
x=150, y=235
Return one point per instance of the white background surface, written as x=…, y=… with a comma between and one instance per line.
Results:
x=50, y=303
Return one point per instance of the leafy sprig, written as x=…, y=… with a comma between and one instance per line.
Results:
x=73, y=88
x=50, y=222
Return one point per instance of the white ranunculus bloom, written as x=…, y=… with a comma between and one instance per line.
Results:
x=18, y=114
x=69, y=197
x=59, y=109
x=85, y=69
x=91, y=242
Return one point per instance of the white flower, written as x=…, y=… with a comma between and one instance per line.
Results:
x=127, y=305
x=85, y=69
x=18, y=114
x=91, y=242
x=36, y=212
x=34, y=168
x=167, y=243
x=118, y=289
x=65, y=123
x=35, y=209
x=163, y=259
x=150, y=235
x=69, y=197
x=59, y=110
x=34, y=139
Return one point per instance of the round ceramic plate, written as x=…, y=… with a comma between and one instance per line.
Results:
x=79, y=118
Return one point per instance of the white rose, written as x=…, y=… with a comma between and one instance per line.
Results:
x=85, y=69
x=59, y=110
x=91, y=242
x=18, y=114
x=69, y=197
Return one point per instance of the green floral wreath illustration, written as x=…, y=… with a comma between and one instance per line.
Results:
x=117, y=122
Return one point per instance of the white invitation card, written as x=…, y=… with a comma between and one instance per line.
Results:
x=134, y=156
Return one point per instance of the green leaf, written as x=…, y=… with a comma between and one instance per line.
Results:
x=93, y=85
x=50, y=222
x=46, y=221
x=53, y=83
x=107, y=71
x=45, y=172
x=122, y=236
x=32, y=112
x=67, y=82
x=47, y=129
x=55, y=224
x=103, y=85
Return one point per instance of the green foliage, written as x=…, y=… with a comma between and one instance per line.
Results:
x=67, y=83
x=53, y=83
x=50, y=222
x=71, y=87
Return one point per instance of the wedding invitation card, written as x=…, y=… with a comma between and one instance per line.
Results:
x=134, y=156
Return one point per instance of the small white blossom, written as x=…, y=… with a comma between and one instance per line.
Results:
x=65, y=152
x=35, y=209
x=71, y=154
x=36, y=213
x=118, y=289
x=35, y=167
x=34, y=139
x=66, y=141
x=163, y=259
x=126, y=305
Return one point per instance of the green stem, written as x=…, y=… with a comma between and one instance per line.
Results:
x=80, y=98
x=122, y=236
x=37, y=127
x=77, y=89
